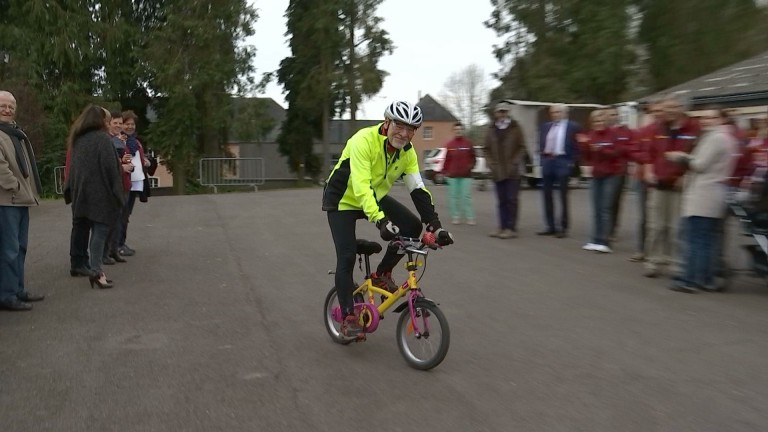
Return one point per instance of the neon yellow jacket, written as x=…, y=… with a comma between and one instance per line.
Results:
x=366, y=172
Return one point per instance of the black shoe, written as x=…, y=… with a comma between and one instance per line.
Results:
x=15, y=305
x=28, y=297
x=101, y=281
x=546, y=233
x=107, y=261
x=126, y=251
x=80, y=271
x=684, y=288
x=116, y=256
x=561, y=234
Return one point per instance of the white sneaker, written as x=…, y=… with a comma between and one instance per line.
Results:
x=602, y=249
x=456, y=221
x=589, y=247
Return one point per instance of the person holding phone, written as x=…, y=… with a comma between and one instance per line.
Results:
x=118, y=139
x=139, y=178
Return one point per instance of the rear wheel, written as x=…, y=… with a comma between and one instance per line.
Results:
x=427, y=349
x=331, y=324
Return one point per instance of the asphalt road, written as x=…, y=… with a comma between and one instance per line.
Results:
x=215, y=325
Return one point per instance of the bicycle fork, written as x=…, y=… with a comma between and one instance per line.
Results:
x=413, y=296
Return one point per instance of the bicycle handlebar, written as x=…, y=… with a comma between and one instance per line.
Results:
x=428, y=240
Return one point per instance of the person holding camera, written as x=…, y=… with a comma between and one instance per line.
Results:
x=139, y=178
x=118, y=138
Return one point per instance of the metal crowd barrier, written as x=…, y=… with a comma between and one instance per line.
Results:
x=215, y=172
x=58, y=180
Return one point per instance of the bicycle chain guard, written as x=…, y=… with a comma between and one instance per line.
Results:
x=368, y=314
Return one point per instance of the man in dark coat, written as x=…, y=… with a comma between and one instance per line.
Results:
x=504, y=151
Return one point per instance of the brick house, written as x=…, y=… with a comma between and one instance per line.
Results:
x=437, y=128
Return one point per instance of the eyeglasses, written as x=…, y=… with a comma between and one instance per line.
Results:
x=404, y=127
x=8, y=107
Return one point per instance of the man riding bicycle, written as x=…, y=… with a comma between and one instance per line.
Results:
x=373, y=159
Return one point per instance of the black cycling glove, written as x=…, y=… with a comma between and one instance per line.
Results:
x=387, y=229
x=444, y=238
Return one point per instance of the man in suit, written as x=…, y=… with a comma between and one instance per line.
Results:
x=559, y=154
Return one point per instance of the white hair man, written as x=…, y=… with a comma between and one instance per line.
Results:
x=19, y=189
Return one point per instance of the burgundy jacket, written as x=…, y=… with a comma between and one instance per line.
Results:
x=604, y=153
x=459, y=158
x=667, y=139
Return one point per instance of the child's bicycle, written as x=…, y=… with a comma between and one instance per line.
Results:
x=422, y=329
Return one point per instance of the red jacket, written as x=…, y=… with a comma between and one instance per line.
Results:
x=668, y=139
x=625, y=141
x=459, y=158
x=603, y=153
x=753, y=155
x=638, y=152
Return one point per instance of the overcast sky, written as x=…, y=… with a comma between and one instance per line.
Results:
x=432, y=38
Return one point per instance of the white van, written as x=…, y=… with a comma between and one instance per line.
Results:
x=531, y=115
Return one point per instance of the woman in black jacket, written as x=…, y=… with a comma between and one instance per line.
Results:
x=94, y=185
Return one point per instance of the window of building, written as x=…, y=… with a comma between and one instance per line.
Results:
x=427, y=132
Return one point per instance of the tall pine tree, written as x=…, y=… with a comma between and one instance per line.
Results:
x=197, y=64
x=687, y=38
x=308, y=76
x=570, y=50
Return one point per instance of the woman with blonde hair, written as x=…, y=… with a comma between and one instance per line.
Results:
x=94, y=186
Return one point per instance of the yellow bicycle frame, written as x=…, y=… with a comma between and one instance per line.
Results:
x=367, y=288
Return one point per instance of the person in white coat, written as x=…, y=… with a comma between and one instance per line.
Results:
x=710, y=163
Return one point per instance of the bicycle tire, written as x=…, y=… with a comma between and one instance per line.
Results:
x=331, y=326
x=435, y=316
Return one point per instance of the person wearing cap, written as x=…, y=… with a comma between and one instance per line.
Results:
x=559, y=152
x=358, y=188
x=504, y=150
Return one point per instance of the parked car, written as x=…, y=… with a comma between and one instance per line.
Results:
x=434, y=159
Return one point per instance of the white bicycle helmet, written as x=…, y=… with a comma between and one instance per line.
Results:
x=404, y=113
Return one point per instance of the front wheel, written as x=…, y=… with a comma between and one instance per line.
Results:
x=428, y=347
x=332, y=325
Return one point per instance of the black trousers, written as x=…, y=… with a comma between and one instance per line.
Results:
x=555, y=171
x=343, y=223
x=78, y=243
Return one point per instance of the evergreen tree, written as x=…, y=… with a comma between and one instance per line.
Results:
x=196, y=64
x=52, y=67
x=364, y=45
x=567, y=50
x=308, y=76
x=687, y=38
